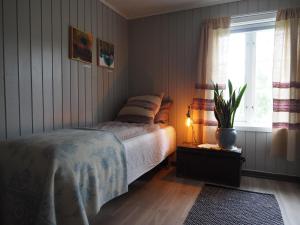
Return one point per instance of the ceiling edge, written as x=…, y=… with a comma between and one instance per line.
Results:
x=175, y=9
x=181, y=8
x=114, y=9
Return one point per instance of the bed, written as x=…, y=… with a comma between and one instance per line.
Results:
x=64, y=177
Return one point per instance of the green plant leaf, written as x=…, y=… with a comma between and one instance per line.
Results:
x=239, y=97
x=230, y=88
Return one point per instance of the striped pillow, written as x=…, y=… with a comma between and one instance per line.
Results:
x=163, y=114
x=140, y=109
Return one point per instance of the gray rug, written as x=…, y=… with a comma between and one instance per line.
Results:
x=219, y=205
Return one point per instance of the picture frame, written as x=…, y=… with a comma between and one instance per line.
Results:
x=80, y=45
x=105, y=54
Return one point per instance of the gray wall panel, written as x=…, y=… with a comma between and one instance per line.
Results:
x=10, y=32
x=47, y=64
x=100, y=90
x=36, y=66
x=81, y=71
x=24, y=67
x=94, y=66
x=2, y=89
x=66, y=66
x=56, y=65
x=74, y=69
x=41, y=89
x=88, y=70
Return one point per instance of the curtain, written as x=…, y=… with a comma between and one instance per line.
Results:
x=286, y=85
x=212, y=66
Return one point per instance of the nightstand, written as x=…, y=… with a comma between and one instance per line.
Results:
x=217, y=166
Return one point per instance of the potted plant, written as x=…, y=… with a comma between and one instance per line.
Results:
x=224, y=111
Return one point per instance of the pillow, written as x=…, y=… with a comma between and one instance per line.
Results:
x=163, y=114
x=140, y=109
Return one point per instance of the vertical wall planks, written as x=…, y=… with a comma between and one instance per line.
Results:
x=124, y=59
x=155, y=45
x=241, y=143
x=110, y=73
x=125, y=56
x=74, y=69
x=263, y=5
x=81, y=70
x=295, y=3
x=232, y=8
x=118, y=77
x=124, y=63
x=105, y=30
x=36, y=66
x=270, y=160
x=171, y=66
x=88, y=69
x=118, y=52
x=40, y=87
x=100, y=105
x=242, y=7
x=250, y=149
x=134, y=66
x=10, y=32
x=2, y=89
x=260, y=148
x=112, y=77
x=253, y=6
x=56, y=63
x=24, y=67
x=65, y=64
x=94, y=65
x=164, y=53
x=47, y=64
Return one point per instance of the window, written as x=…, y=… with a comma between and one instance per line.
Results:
x=251, y=62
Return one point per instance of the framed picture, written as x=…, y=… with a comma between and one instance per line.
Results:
x=105, y=54
x=81, y=44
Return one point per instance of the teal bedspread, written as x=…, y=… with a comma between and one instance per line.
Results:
x=60, y=178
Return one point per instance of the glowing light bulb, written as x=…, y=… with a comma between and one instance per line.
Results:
x=188, y=122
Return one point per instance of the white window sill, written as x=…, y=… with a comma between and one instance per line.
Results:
x=239, y=126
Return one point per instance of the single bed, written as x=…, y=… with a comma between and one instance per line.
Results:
x=146, y=145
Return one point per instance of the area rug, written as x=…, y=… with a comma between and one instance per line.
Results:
x=218, y=205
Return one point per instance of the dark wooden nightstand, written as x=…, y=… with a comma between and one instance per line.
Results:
x=217, y=166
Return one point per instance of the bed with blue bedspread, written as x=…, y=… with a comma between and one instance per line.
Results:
x=60, y=178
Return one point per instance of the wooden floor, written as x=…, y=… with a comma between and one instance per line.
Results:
x=163, y=199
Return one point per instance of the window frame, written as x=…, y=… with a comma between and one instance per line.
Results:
x=247, y=24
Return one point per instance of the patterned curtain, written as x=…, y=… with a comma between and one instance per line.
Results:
x=286, y=85
x=212, y=66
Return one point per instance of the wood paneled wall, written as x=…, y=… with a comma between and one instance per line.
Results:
x=163, y=58
x=40, y=87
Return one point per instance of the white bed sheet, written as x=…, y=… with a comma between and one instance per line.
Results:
x=146, y=145
x=146, y=151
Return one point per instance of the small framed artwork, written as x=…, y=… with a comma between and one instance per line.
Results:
x=105, y=54
x=81, y=44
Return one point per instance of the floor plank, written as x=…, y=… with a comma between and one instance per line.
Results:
x=160, y=198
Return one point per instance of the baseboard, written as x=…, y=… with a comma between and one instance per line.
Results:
x=272, y=176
